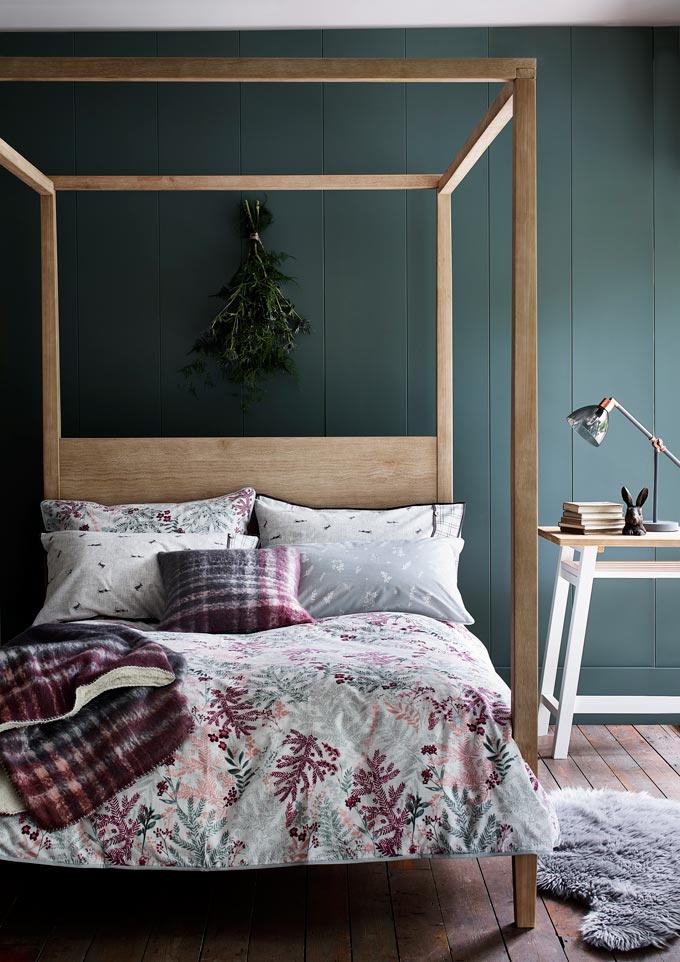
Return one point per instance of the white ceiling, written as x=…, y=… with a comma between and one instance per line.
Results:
x=281, y=14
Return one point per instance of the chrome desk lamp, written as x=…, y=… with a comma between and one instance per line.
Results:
x=591, y=423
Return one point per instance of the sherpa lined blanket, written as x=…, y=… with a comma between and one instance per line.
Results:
x=85, y=710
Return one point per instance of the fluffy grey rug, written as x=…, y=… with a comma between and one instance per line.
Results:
x=619, y=853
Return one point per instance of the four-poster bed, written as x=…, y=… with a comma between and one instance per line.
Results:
x=362, y=472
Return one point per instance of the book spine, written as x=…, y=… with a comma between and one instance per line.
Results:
x=581, y=529
x=591, y=508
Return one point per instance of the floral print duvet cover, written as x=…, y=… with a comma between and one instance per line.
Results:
x=370, y=736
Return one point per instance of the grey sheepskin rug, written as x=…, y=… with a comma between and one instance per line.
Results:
x=620, y=853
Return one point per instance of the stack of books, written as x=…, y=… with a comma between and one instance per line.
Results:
x=591, y=517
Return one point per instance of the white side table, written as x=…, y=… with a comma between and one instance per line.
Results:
x=581, y=574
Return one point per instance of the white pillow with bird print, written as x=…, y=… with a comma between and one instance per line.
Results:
x=93, y=574
x=281, y=522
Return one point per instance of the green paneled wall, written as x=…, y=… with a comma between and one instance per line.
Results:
x=136, y=272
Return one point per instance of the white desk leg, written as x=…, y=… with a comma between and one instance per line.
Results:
x=553, y=643
x=572, y=661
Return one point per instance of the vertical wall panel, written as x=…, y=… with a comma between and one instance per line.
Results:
x=198, y=124
x=199, y=250
x=440, y=118
x=282, y=133
x=612, y=248
x=667, y=313
x=199, y=240
x=118, y=316
x=116, y=122
x=365, y=314
x=364, y=123
x=365, y=247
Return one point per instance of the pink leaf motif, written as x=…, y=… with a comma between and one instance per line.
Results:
x=385, y=819
x=232, y=711
x=406, y=713
x=307, y=763
x=242, y=504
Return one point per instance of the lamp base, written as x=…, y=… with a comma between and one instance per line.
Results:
x=661, y=525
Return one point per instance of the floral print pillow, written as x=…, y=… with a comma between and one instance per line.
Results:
x=227, y=514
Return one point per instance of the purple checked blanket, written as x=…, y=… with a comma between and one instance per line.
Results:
x=85, y=710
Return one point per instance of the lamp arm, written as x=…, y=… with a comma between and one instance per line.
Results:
x=659, y=447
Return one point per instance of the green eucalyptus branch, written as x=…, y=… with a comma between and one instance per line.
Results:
x=253, y=336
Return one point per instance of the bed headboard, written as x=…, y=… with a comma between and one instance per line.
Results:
x=336, y=472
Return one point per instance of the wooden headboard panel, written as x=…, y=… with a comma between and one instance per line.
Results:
x=356, y=472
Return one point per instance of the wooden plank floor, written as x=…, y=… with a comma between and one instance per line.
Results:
x=457, y=910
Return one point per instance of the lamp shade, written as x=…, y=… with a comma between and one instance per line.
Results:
x=591, y=423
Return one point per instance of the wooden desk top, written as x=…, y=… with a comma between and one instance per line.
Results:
x=659, y=539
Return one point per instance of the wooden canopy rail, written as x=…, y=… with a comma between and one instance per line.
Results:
x=371, y=472
x=248, y=182
x=258, y=70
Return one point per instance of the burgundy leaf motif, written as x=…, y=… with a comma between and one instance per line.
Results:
x=385, y=818
x=114, y=819
x=307, y=763
x=232, y=711
x=475, y=707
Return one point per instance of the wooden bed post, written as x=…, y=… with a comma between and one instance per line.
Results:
x=444, y=350
x=524, y=466
x=50, y=345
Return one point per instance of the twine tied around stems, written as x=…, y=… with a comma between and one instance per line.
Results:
x=254, y=236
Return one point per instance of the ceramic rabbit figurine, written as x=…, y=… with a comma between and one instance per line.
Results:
x=633, y=524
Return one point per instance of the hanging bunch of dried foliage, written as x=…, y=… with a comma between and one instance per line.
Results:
x=253, y=336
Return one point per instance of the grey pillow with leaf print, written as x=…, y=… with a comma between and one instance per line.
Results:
x=417, y=577
x=94, y=574
x=228, y=514
x=281, y=522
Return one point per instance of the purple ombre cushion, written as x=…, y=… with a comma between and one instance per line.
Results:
x=231, y=592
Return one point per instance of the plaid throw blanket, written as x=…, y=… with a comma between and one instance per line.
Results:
x=85, y=710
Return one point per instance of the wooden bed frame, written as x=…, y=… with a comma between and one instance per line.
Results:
x=361, y=472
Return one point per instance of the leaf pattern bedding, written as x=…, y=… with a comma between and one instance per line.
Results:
x=356, y=738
